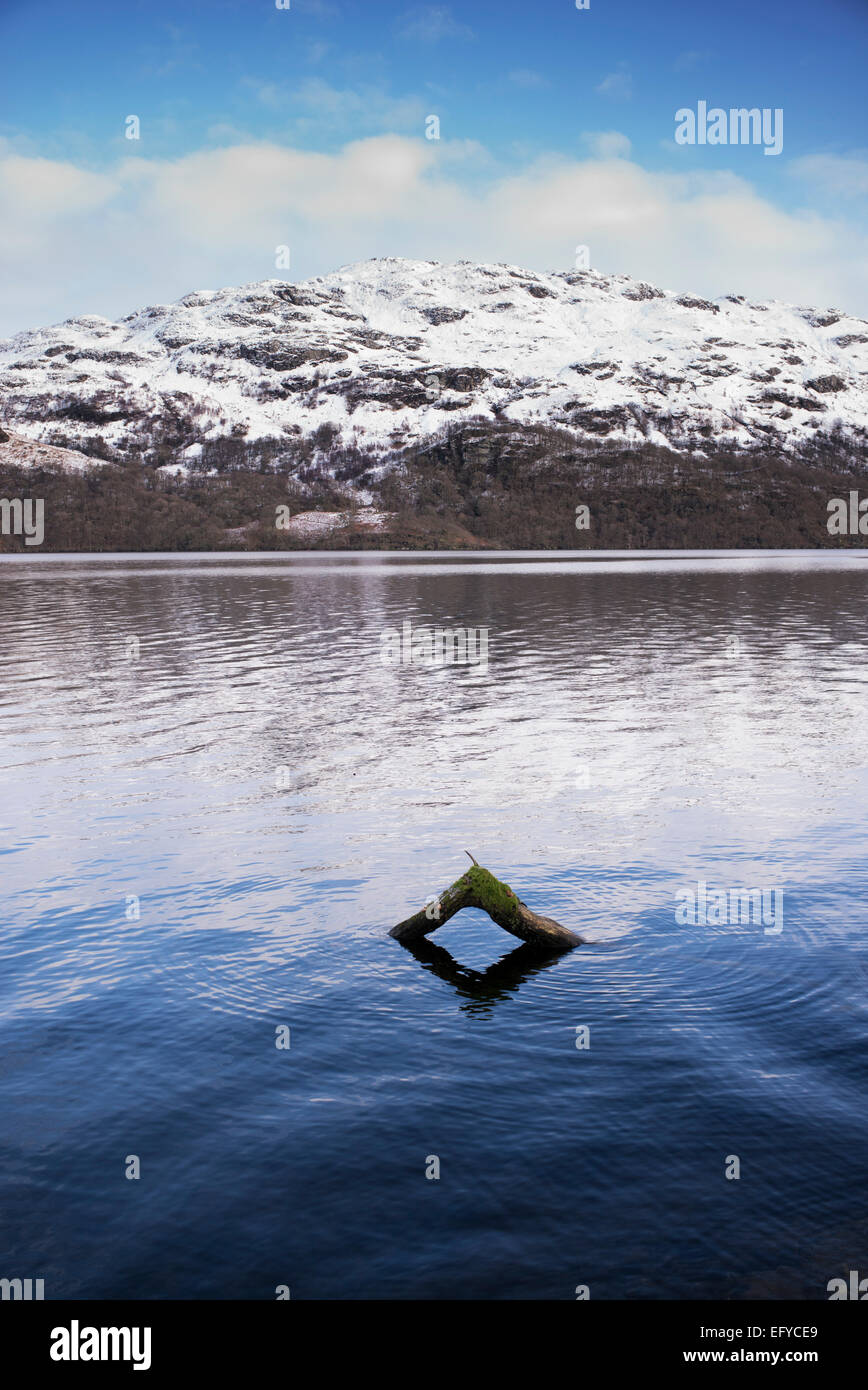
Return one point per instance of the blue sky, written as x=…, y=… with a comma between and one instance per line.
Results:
x=306, y=127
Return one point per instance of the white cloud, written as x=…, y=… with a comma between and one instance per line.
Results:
x=36, y=189
x=232, y=198
x=692, y=59
x=842, y=176
x=317, y=106
x=430, y=24
x=270, y=94
x=151, y=230
x=529, y=79
x=618, y=85
x=607, y=144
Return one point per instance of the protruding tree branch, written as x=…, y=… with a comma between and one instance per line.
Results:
x=479, y=888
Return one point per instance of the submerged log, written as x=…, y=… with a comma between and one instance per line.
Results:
x=479, y=888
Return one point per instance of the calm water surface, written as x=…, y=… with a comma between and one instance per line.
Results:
x=215, y=802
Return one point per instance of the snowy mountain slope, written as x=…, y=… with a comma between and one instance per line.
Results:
x=386, y=353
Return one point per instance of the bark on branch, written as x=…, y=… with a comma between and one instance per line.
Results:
x=479, y=888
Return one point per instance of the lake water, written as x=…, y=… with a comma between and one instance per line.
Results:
x=217, y=798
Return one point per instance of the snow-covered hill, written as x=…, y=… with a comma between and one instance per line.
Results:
x=387, y=352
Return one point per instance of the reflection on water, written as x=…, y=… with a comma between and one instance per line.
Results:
x=216, y=800
x=482, y=989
